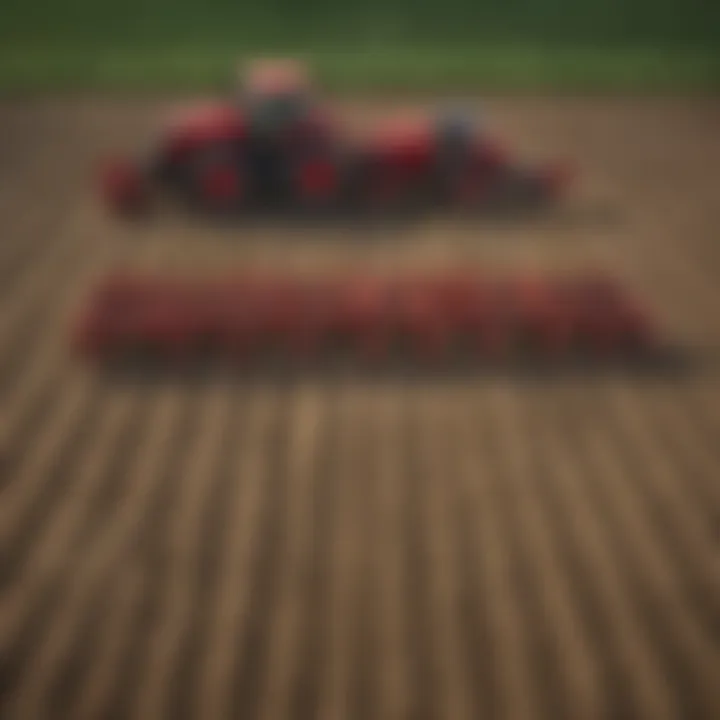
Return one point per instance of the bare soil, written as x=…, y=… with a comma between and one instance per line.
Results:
x=488, y=547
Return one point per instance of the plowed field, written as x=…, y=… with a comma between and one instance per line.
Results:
x=494, y=547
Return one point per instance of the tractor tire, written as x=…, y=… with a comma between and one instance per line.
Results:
x=216, y=183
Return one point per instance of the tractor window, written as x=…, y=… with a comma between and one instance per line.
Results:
x=275, y=113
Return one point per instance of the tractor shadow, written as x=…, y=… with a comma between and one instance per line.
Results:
x=363, y=227
x=671, y=366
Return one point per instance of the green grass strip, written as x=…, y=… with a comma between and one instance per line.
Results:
x=177, y=67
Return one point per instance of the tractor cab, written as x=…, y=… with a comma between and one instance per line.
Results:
x=277, y=105
x=276, y=98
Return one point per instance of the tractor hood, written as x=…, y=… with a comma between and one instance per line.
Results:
x=202, y=124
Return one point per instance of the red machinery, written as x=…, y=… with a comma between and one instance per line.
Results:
x=275, y=146
x=425, y=316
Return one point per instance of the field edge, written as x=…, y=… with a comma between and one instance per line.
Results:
x=42, y=67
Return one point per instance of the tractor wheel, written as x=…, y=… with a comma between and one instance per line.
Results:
x=217, y=182
x=317, y=181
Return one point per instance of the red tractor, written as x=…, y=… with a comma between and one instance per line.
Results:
x=274, y=146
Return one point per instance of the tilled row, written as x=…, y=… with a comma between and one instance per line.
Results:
x=501, y=550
